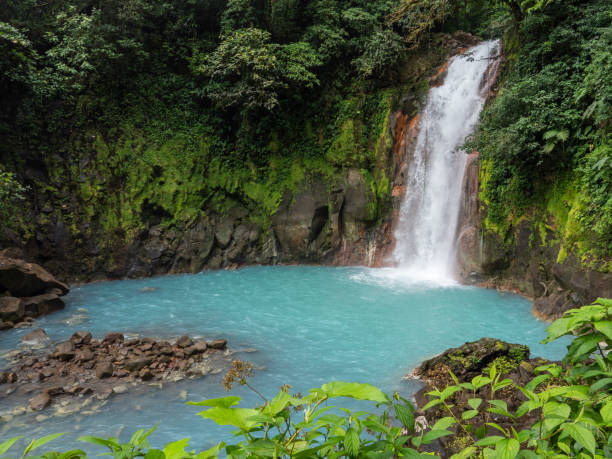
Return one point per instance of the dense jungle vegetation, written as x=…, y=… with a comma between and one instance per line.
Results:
x=546, y=139
x=121, y=114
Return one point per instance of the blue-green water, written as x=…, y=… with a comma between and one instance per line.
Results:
x=309, y=325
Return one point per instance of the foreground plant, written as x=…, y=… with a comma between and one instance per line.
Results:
x=571, y=405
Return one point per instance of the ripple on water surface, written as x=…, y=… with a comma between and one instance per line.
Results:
x=309, y=325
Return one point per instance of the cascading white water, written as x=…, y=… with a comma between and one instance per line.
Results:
x=425, y=235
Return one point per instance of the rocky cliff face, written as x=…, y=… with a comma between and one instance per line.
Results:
x=326, y=221
x=526, y=262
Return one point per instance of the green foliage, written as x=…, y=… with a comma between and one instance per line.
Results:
x=248, y=71
x=550, y=124
x=383, y=51
x=11, y=193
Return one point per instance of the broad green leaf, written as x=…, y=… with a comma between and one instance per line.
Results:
x=576, y=392
x=507, y=448
x=237, y=417
x=527, y=454
x=490, y=440
x=582, y=346
x=448, y=391
x=35, y=444
x=604, y=302
x=474, y=403
x=555, y=414
x=535, y=382
x=352, y=442
x=109, y=443
x=406, y=452
x=552, y=368
x=604, y=326
x=564, y=446
x=479, y=381
x=606, y=412
x=465, y=453
x=444, y=423
x=526, y=407
x=359, y=391
x=500, y=412
x=5, y=446
x=435, y=434
x=140, y=436
x=499, y=404
x=600, y=384
x=280, y=402
x=405, y=416
x=176, y=449
x=498, y=427
x=72, y=454
x=582, y=435
x=264, y=448
x=501, y=384
x=155, y=454
x=223, y=402
x=431, y=404
x=558, y=328
x=469, y=414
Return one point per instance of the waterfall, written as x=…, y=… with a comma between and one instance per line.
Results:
x=425, y=234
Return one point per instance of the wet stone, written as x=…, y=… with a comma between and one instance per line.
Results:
x=40, y=402
x=81, y=337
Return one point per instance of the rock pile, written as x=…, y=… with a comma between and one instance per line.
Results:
x=467, y=361
x=26, y=291
x=83, y=365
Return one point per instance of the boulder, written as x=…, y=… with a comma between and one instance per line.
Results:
x=104, y=369
x=64, y=351
x=470, y=360
x=223, y=232
x=39, y=305
x=40, y=402
x=219, y=344
x=300, y=219
x=27, y=279
x=184, y=341
x=11, y=309
x=553, y=306
x=200, y=347
x=145, y=374
x=38, y=336
x=113, y=337
x=137, y=364
x=84, y=355
x=80, y=337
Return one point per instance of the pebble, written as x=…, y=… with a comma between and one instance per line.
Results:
x=120, y=389
x=183, y=395
x=41, y=418
x=18, y=410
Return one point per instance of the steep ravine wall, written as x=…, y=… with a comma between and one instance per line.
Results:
x=527, y=259
x=526, y=262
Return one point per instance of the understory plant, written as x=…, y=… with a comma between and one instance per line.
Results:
x=570, y=404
